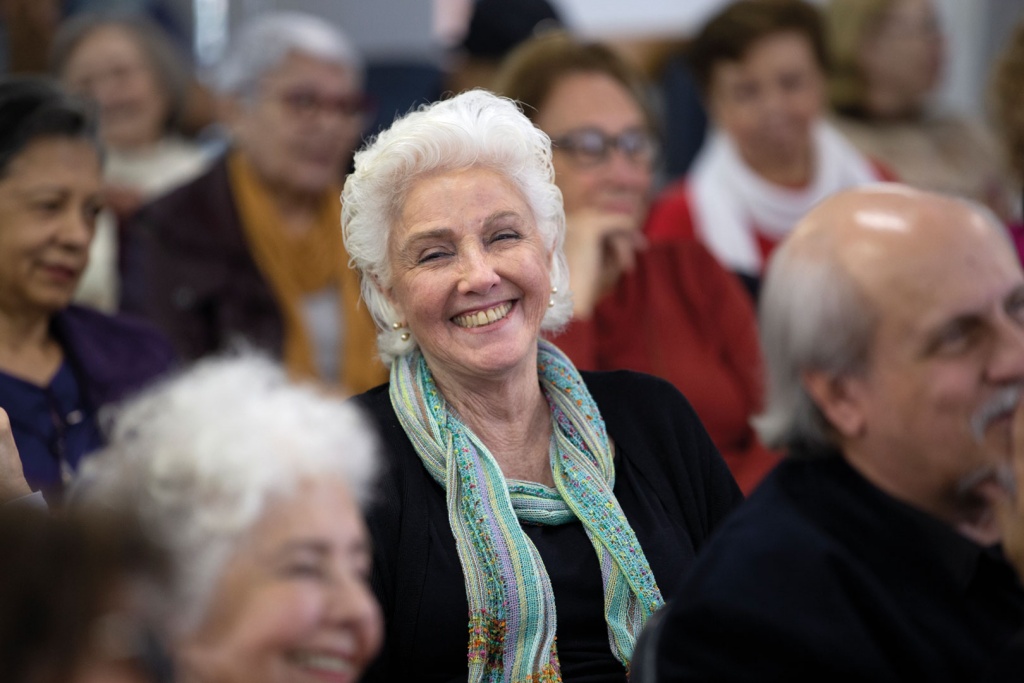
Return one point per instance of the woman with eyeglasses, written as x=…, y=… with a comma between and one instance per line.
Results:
x=771, y=156
x=667, y=309
x=250, y=251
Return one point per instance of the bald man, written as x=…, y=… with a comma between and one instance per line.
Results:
x=893, y=327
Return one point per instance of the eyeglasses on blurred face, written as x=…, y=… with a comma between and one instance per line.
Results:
x=588, y=147
x=306, y=104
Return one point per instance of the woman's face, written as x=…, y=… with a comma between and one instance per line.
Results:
x=904, y=53
x=470, y=274
x=294, y=603
x=302, y=125
x=49, y=200
x=110, y=68
x=592, y=102
x=769, y=102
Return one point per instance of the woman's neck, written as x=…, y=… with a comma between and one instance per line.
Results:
x=511, y=417
x=890, y=104
x=795, y=172
x=27, y=349
x=298, y=210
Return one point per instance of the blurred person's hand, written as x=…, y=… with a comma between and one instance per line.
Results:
x=1004, y=507
x=12, y=476
x=600, y=246
x=1007, y=499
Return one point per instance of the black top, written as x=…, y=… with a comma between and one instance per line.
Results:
x=670, y=481
x=822, y=576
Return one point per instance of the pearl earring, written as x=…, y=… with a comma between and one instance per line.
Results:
x=551, y=301
x=405, y=336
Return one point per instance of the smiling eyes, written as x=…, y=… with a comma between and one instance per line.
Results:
x=961, y=334
x=439, y=253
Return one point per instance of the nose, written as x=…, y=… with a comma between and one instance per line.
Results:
x=77, y=229
x=353, y=606
x=1007, y=360
x=478, y=274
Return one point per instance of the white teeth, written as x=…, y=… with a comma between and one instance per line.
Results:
x=481, y=318
x=323, y=662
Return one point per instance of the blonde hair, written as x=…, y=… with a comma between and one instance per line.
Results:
x=847, y=22
x=1008, y=96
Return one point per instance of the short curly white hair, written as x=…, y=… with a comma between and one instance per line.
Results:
x=474, y=129
x=200, y=457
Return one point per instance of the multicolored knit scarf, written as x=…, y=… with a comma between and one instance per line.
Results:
x=512, y=620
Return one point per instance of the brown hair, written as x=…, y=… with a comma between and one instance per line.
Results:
x=729, y=35
x=168, y=65
x=60, y=574
x=1008, y=98
x=847, y=22
x=530, y=72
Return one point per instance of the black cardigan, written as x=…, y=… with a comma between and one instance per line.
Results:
x=670, y=481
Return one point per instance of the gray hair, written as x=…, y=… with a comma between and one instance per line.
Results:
x=200, y=457
x=168, y=63
x=266, y=40
x=474, y=129
x=813, y=317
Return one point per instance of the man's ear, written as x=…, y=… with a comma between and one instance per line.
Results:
x=840, y=400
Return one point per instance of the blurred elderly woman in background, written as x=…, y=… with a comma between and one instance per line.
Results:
x=251, y=249
x=253, y=484
x=137, y=79
x=523, y=498
x=59, y=363
x=887, y=58
x=669, y=309
x=760, y=65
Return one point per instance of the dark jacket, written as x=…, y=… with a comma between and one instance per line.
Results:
x=106, y=359
x=189, y=270
x=820, y=575
x=670, y=481
x=112, y=356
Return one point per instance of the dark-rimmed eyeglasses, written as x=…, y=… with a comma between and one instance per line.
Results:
x=591, y=147
x=306, y=104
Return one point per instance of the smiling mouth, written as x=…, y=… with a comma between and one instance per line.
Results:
x=485, y=317
x=326, y=663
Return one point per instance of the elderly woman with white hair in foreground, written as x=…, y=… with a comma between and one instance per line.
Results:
x=523, y=498
x=253, y=483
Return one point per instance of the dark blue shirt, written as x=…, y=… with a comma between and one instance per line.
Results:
x=53, y=426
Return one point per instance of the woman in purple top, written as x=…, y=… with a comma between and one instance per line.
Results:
x=59, y=364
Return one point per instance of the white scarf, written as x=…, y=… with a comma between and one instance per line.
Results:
x=730, y=201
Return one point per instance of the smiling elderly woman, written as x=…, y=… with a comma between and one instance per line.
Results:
x=252, y=483
x=518, y=487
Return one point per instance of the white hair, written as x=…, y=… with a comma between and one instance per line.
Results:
x=266, y=40
x=474, y=129
x=201, y=456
